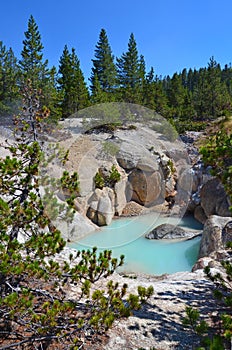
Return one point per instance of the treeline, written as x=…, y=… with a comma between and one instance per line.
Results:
x=189, y=96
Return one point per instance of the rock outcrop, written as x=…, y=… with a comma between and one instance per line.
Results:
x=214, y=200
x=169, y=231
x=208, y=196
x=216, y=234
x=155, y=173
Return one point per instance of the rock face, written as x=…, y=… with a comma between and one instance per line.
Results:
x=151, y=169
x=168, y=231
x=214, y=200
x=217, y=232
x=199, y=214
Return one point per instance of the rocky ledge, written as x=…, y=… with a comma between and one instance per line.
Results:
x=168, y=231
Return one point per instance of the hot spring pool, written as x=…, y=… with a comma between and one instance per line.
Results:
x=126, y=236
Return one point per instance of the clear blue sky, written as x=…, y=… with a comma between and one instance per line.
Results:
x=171, y=34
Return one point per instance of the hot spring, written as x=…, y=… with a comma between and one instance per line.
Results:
x=126, y=236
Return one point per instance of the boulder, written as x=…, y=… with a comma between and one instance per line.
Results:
x=216, y=234
x=185, y=180
x=145, y=187
x=168, y=231
x=214, y=200
x=78, y=228
x=132, y=156
x=101, y=206
x=120, y=195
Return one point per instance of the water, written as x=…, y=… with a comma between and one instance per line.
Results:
x=126, y=236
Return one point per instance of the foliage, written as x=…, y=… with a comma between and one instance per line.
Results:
x=217, y=152
x=101, y=179
x=32, y=66
x=36, y=307
x=187, y=98
x=192, y=320
x=183, y=125
x=114, y=176
x=129, y=73
x=103, y=77
x=9, y=91
x=72, y=85
x=200, y=327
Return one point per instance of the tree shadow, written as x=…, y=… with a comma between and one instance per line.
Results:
x=166, y=323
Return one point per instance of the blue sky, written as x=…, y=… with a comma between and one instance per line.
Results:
x=171, y=34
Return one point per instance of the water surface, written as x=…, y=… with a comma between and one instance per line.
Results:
x=126, y=236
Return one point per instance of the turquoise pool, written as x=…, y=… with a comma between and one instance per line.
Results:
x=126, y=236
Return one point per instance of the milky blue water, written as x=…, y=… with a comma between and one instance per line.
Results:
x=126, y=236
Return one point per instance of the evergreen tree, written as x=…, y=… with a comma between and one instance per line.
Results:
x=149, y=90
x=104, y=67
x=154, y=96
x=176, y=95
x=142, y=78
x=98, y=95
x=35, y=68
x=160, y=97
x=217, y=98
x=32, y=65
x=72, y=85
x=210, y=93
x=35, y=310
x=199, y=93
x=9, y=92
x=128, y=72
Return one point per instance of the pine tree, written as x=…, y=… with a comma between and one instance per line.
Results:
x=35, y=310
x=128, y=72
x=98, y=95
x=72, y=85
x=142, y=78
x=32, y=65
x=35, y=68
x=9, y=92
x=176, y=95
x=104, y=67
x=149, y=90
x=210, y=92
x=216, y=95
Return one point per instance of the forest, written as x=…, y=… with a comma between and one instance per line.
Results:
x=187, y=99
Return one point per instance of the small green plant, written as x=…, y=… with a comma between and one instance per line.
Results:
x=114, y=176
x=192, y=321
x=217, y=152
x=171, y=167
x=99, y=181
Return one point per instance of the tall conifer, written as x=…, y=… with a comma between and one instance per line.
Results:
x=9, y=92
x=103, y=67
x=32, y=65
x=128, y=69
x=72, y=85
